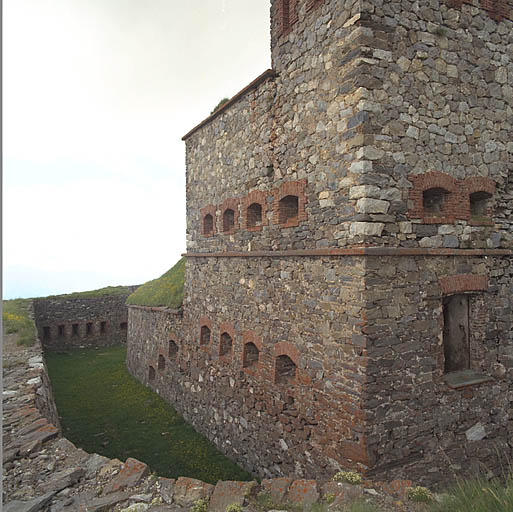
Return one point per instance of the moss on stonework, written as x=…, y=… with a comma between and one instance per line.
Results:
x=165, y=291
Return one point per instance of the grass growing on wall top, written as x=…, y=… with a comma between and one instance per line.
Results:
x=105, y=410
x=166, y=291
x=108, y=291
x=16, y=319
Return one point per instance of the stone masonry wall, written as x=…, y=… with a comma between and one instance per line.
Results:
x=63, y=323
x=270, y=141
x=436, y=111
x=308, y=310
x=417, y=424
x=375, y=103
x=380, y=142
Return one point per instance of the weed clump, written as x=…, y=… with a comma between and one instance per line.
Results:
x=200, y=505
x=234, y=507
x=220, y=104
x=350, y=477
x=420, y=494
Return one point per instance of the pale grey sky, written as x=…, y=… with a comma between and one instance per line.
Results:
x=96, y=97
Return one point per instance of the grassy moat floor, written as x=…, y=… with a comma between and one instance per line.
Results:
x=103, y=409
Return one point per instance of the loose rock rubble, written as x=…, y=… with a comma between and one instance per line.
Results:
x=43, y=471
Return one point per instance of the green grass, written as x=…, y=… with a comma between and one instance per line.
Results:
x=477, y=496
x=166, y=291
x=16, y=319
x=105, y=410
x=108, y=291
x=220, y=104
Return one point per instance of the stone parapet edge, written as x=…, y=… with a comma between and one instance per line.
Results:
x=353, y=251
x=268, y=73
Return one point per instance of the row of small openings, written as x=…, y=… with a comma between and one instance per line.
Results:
x=75, y=329
x=288, y=209
x=251, y=354
x=434, y=199
x=285, y=367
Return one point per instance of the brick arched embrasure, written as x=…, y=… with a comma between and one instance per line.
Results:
x=285, y=348
x=286, y=12
x=249, y=336
x=208, y=210
x=232, y=204
x=152, y=373
x=497, y=9
x=204, y=322
x=453, y=205
x=478, y=184
x=290, y=188
x=227, y=327
x=259, y=197
x=168, y=349
x=313, y=4
x=461, y=283
x=471, y=186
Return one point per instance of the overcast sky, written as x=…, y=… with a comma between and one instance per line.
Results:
x=96, y=97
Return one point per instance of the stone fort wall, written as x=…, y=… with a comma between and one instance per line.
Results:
x=81, y=322
x=337, y=209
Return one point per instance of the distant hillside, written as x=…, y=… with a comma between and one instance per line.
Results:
x=165, y=291
x=17, y=318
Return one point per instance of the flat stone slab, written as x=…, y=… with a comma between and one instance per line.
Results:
x=189, y=490
x=25, y=411
x=229, y=493
x=93, y=464
x=41, y=422
x=303, y=493
x=85, y=503
x=42, y=434
x=30, y=447
x=167, y=489
x=465, y=378
x=9, y=455
x=29, y=506
x=277, y=488
x=136, y=507
x=132, y=472
x=64, y=479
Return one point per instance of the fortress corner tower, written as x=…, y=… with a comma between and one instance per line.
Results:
x=349, y=277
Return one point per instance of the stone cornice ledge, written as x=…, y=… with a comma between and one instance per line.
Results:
x=162, y=309
x=352, y=251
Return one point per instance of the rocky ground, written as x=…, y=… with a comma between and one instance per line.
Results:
x=42, y=471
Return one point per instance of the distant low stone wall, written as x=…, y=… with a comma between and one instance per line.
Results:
x=76, y=322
